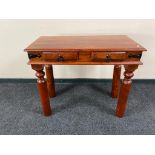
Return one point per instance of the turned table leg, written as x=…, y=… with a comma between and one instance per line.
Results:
x=42, y=88
x=116, y=81
x=125, y=89
x=50, y=80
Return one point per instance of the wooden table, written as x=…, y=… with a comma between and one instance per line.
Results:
x=114, y=50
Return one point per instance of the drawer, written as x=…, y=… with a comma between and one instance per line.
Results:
x=60, y=56
x=108, y=56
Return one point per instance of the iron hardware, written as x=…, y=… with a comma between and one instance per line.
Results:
x=60, y=58
x=34, y=56
x=108, y=58
x=135, y=56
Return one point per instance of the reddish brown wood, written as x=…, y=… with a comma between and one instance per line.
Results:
x=42, y=88
x=84, y=62
x=113, y=56
x=125, y=89
x=85, y=50
x=119, y=43
x=116, y=81
x=84, y=56
x=50, y=80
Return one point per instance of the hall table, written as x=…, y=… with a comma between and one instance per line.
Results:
x=114, y=50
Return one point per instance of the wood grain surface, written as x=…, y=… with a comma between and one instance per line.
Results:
x=73, y=43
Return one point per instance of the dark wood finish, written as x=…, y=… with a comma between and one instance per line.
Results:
x=85, y=50
x=116, y=81
x=50, y=80
x=42, y=88
x=125, y=89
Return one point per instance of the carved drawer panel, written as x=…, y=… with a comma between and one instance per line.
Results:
x=108, y=56
x=60, y=56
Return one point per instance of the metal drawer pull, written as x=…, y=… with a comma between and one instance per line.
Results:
x=60, y=58
x=108, y=58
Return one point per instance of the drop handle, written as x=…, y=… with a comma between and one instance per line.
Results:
x=108, y=58
x=60, y=58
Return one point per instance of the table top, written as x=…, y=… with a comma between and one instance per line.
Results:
x=99, y=43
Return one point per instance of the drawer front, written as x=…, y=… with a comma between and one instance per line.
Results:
x=60, y=56
x=108, y=56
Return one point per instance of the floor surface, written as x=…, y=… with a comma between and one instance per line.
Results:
x=78, y=109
